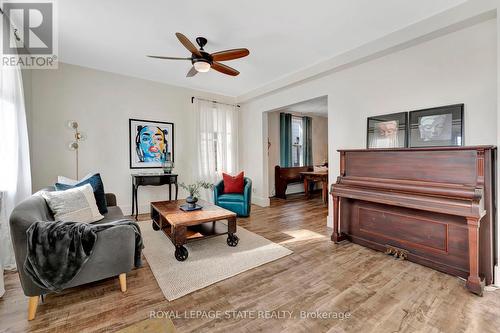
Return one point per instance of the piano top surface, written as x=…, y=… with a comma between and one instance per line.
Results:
x=480, y=147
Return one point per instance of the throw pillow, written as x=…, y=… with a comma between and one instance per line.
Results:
x=233, y=184
x=73, y=205
x=96, y=182
x=69, y=181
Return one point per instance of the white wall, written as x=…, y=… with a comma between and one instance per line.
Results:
x=456, y=68
x=320, y=139
x=319, y=145
x=102, y=103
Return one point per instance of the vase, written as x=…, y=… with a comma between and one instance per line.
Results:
x=191, y=201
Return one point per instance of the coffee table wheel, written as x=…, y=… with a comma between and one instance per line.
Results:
x=155, y=226
x=232, y=240
x=181, y=253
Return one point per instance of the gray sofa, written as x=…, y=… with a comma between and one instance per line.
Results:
x=113, y=252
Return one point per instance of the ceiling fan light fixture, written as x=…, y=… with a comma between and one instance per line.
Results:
x=202, y=66
x=202, y=61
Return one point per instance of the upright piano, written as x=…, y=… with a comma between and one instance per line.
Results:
x=432, y=206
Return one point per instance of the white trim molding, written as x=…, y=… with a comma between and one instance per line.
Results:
x=496, y=276
x=261, y=201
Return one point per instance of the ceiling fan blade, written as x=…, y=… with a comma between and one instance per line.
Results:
x=192, y=72
x=224, y=69
x=169, y=58
x=187, y=44
x=230, y=54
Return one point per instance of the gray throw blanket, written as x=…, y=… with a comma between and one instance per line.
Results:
x=57, y=251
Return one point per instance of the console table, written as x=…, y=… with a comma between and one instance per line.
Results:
x=152, y=179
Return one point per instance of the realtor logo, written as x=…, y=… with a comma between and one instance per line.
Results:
x=29, y=34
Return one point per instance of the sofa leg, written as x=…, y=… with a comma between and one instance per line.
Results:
x=123, y=282
x=32, y=305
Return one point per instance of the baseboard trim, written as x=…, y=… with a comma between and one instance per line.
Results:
x=496, y=276
x=260, y=201
x=143, y=209
x=329, y=221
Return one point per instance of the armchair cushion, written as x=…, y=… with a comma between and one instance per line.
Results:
x=231, y=197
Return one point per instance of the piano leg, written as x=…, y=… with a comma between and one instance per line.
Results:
x=337, y=235
x=474, y=282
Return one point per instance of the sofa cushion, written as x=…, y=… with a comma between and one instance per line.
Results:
x=231, y=197
x=114, y=214
x=69, y=181
x=73, y=205
x=97, y=185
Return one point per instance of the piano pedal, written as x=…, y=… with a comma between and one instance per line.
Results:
x=396, y=252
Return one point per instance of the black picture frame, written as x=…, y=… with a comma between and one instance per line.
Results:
x=441, y=126
x=169, y=137
x=401, y=118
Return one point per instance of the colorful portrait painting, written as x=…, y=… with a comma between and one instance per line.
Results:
x=151, y=143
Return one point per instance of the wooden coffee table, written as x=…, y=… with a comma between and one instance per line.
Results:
x=182, y=227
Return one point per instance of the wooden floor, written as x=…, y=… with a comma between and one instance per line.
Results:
x=380, y=294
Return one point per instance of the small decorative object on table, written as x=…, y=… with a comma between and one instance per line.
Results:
x=194, y=192
x=168, y=166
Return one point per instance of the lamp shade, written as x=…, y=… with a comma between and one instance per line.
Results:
x=202, y=66
x=72, y=124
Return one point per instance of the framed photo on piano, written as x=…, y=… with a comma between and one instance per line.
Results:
x=437, y=127
x=387, y=131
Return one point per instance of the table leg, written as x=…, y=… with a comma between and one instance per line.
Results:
x=176, y=190
x=136, y=203
x=306, y=187
x=169, y=192
x=232, y=239
x=179, y=239
x=133, y=200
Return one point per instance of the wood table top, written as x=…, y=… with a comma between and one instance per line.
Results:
x=171, y=211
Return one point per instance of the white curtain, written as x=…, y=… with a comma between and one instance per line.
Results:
x=216, y=140
x=15, y=173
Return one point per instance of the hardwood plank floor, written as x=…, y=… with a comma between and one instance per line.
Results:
x=380, y=294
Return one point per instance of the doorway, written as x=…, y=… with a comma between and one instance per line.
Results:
x=297, y=141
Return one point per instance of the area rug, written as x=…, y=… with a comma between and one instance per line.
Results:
x=210, y=260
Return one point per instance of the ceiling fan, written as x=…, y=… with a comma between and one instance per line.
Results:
x=203, y=61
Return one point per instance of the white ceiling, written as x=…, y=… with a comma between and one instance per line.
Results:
x=314, y=107
x=283, y=36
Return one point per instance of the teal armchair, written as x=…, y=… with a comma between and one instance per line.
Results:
x=235, y=202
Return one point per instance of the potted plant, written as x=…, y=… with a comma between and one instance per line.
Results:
x=194, y=191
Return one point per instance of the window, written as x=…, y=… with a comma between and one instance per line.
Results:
x=217, y=126
x=297, y=142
